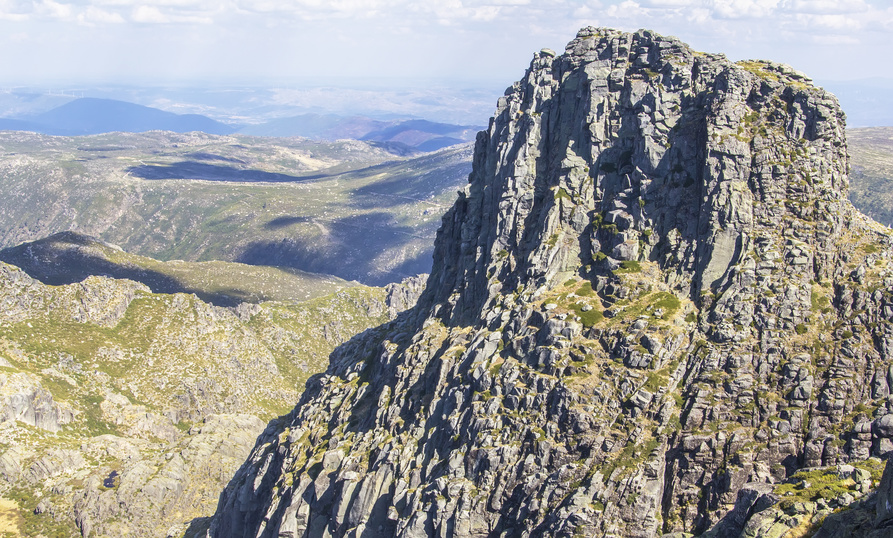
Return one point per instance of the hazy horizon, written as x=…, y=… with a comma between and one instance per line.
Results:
x=467, y=102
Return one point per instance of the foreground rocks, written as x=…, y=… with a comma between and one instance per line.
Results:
x=651, y=307
x=125, y=412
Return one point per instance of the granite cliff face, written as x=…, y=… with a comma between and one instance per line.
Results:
x=651, y=307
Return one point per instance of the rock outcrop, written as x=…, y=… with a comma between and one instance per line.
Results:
x=125, y=412
x=651, y=300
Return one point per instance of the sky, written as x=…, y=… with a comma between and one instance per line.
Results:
x=263, y=41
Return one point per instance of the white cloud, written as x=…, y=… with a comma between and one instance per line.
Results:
x=456, y=11
x=838, y=23
x=669, y=3
x=699, y=15
x=149, y=15
x=737, y=9
x=94, y=15
x=437, y=34
x=825, y=6
x=145, y=14
x=842, y=40
x=14, y=17
x=55, y=10
x=16, y=11
x=626, y=9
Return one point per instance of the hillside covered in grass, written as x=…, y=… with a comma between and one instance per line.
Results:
x=364, y=211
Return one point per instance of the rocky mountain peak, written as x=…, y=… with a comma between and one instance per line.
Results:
x=651, y=297
x=633, y=146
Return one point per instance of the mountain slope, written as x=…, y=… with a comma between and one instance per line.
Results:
x=364, y=211
x=871, y=177
x=652, y=296
x=124, y=412
x=69, y=257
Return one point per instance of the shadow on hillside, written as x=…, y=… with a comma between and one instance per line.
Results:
x=68, y=264
x=352, y=249
x=205, y=156
x=412, y=185
x=212, y=172
x=198, y=528
x=285, y=222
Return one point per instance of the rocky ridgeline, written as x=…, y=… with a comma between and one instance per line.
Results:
x=652, y=298
x=126, y=412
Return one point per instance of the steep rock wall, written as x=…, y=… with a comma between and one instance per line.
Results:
x=652, y=293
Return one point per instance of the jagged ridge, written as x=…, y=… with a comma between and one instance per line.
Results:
x=652, y=293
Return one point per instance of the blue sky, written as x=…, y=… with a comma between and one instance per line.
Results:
x=89, y=41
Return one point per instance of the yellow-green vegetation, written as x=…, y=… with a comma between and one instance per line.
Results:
x=165, y=347
x=758, y=68
x=628, y=266
x=587, y=317
x=38, y=524
x=661, y=305
x=815, y=484
x=629, y=457
x=149, y=371
x=579, y=298
x=585, y=290
x=820, y=299
x=656, y=380
x=11, y=519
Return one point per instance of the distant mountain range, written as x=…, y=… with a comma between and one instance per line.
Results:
x=88, y=116
x=422, y=135
x=358, y=210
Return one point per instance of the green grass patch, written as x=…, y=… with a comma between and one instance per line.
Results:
x=630, y=457
x=40, y=524
x=588, y=318
x=655, y=381
x=585, y=290
x=810, y=486
x=628, y=266
x=93, y=421
x=758, y=69
x=819, y=301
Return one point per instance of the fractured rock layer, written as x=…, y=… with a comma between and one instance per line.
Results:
x=652, y=294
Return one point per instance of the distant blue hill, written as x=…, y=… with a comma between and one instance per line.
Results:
x=423, y=126
x=94, y=116
x=319, y=126
x=17, y=125
x=422, y=135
